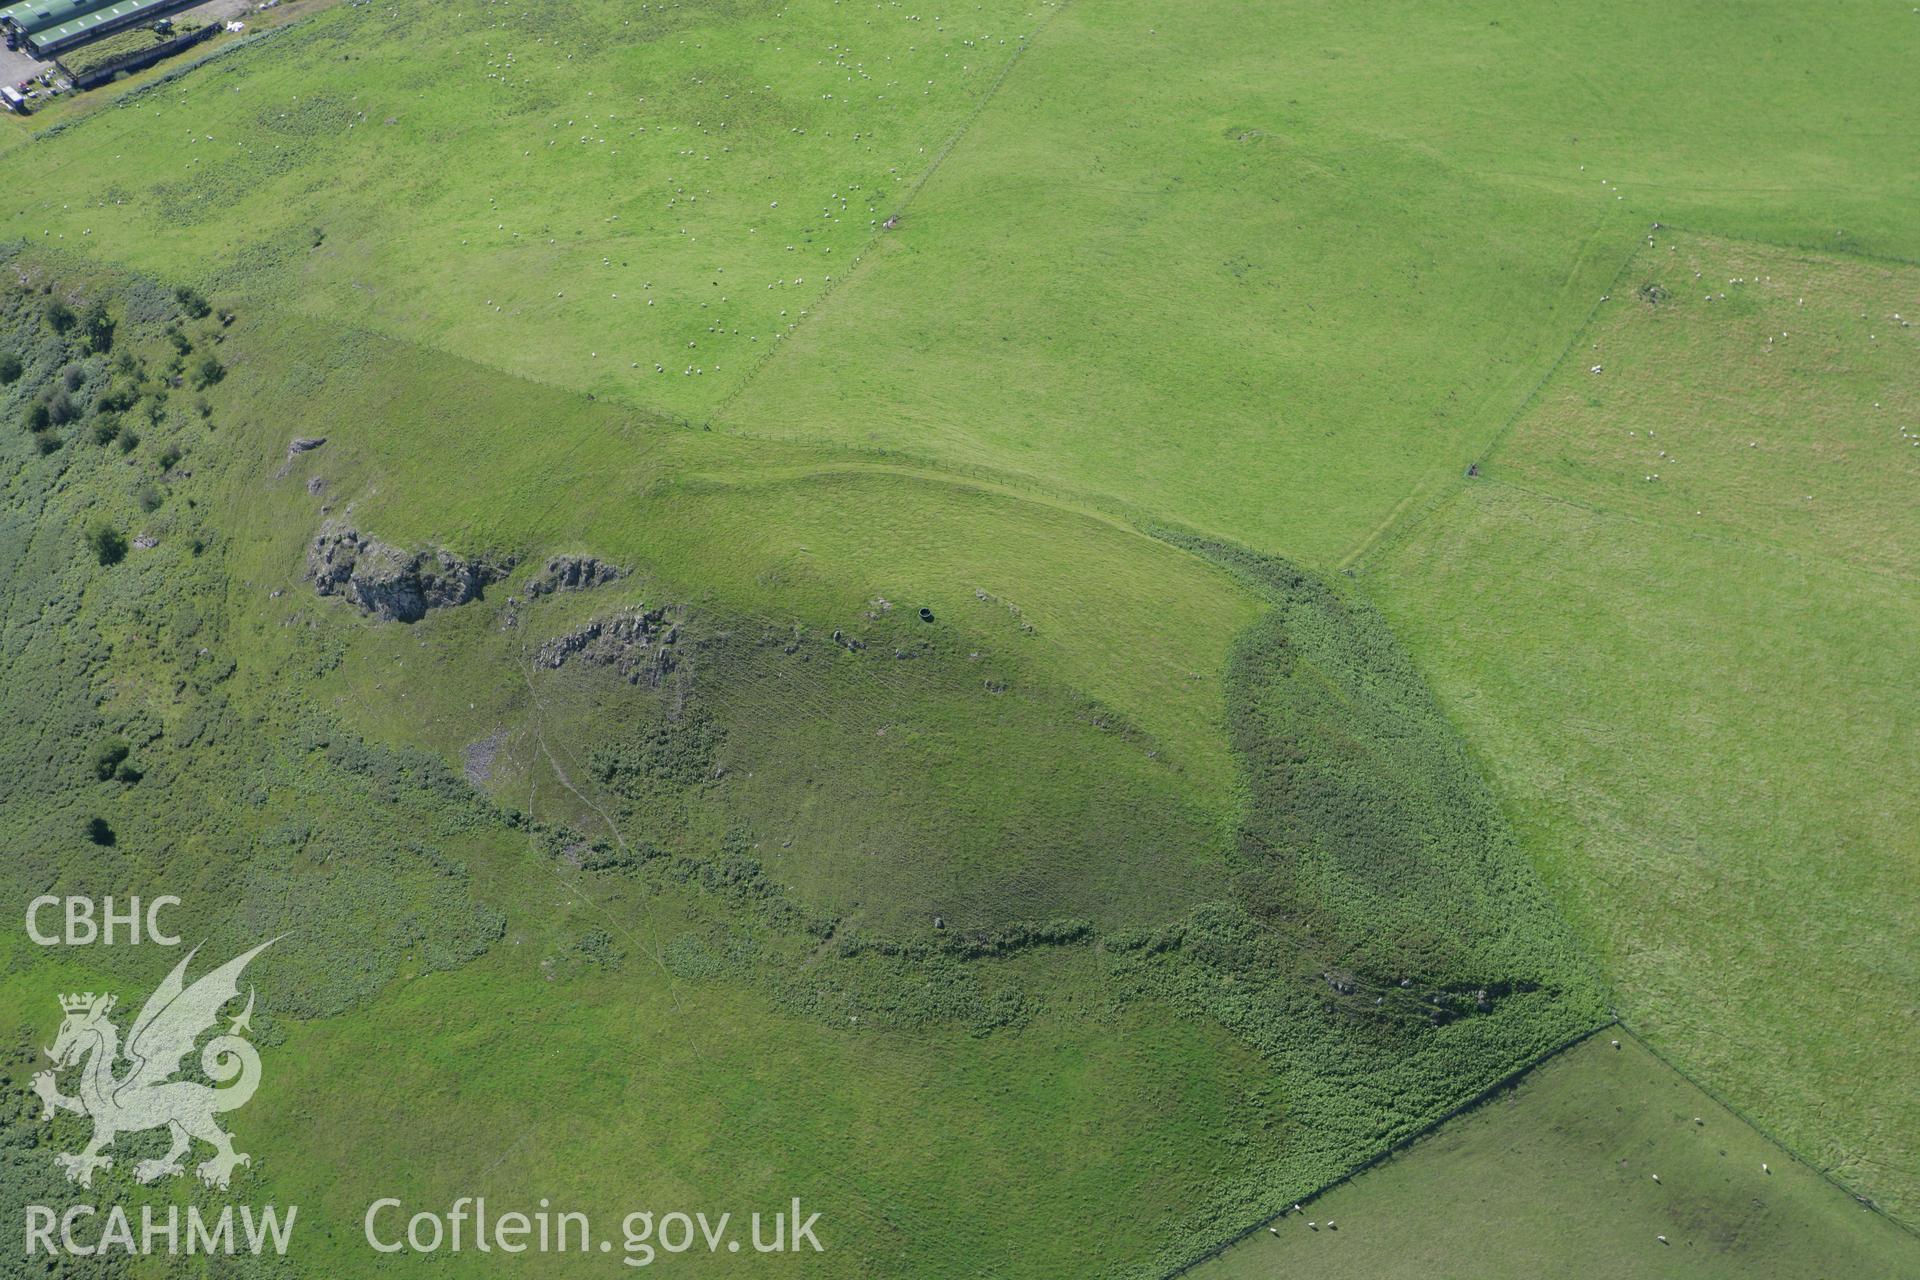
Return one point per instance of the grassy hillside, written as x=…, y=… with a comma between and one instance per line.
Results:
x=1147, y=992
x=1695, y=690
x=971, y=793
x=828, y=1075
x=913, y=773
x=1488, y=1195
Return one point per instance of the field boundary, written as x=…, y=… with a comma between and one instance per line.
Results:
x=1513, y=1078
x=1793, y=1153
x=899, y=210
x=1393, y=532
x=172, y=74
x=1798, y=246
x=1533, y=394
x=1813, y=559
x=1426, y=1130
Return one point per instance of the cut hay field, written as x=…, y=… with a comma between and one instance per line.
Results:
x=1012, y=725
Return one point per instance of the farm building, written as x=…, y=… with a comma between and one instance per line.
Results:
x=48, y=26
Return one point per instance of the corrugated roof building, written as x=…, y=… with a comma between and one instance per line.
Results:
x=36, y=15
x=53, y=25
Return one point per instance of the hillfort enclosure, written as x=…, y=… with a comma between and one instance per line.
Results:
x=1035, y=639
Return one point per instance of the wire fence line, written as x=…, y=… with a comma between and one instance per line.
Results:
x=1396, y=1147
x=1513, y=1078
x=899, y=211
x=1797, y=1157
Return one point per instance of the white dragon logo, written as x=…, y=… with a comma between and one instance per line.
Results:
x=147, y=1096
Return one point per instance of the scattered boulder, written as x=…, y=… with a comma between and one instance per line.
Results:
x=393, y=584
x=573, y=573
x=297, y=446
x=638, y=643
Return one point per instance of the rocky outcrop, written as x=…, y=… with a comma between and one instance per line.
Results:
x=393, y=584
x=297, y=446
x=638, y=643
x=573, y=573
x=477, y=757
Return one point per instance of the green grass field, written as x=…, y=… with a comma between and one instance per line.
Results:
x=1254, y=789
x=1745, y=392
x=1694, y=689
x=1337, y=268
x=1494, y=1194
x=713, y=168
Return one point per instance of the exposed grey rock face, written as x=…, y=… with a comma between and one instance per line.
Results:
x=393, y=584
x=573, y=573
x=637, y=643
